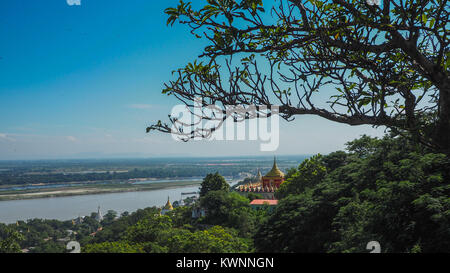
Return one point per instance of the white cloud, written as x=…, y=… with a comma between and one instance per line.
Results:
x=140, y=106
x=74, y=2
x=6, y=137
x=71, y=138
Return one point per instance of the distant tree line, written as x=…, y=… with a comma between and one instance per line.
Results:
x=17, y=178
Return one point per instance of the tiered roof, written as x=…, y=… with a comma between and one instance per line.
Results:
x=275, y=171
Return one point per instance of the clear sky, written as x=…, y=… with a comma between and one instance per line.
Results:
x=85, y=80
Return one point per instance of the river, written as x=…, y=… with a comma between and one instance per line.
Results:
x=70, y=207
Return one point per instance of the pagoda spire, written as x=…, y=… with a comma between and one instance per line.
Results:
x=259, y=176
x=168, y=205
x=99, y=216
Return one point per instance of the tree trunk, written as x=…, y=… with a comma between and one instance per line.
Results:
x=442, y=136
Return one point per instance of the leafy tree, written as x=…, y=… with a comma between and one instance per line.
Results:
x=252, y=196
x=49, y=247
x=213, y=240
x=10, y=240
x=334, y=160
x=310, y=173
x=220, y=205
x=170, y=233
x=290, y=172
x=117, y=230
x=214, y=182
x=149, y=230
x=347, y=61
x=230, y=209
x=109, y=217
x=113, y=247
x=181, y=216
x=300, y=223
x=390, y=190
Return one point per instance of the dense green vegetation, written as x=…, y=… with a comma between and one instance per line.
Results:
x=213, y=182
x=227, y=229
x=388, y=190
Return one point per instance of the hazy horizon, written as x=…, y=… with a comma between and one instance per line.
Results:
x=85, y=81
x=174, y=157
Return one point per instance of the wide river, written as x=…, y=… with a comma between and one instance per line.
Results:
x=70, y=207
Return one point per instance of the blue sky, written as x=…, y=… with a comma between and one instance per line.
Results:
x=85, y=81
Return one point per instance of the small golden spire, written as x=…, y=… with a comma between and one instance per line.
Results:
x=275, y=172
x=168, y=205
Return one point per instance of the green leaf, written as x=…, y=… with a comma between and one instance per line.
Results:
x=424, y=18
x=432, y=21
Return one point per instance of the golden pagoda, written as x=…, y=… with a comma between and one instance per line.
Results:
x=168, y=207
x=274, y=177
x=266, y=184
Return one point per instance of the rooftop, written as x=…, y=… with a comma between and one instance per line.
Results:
x=269, y=202
x=275, y=172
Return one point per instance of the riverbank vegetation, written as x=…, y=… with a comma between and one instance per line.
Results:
x=41, y=179
x=389, y=190
x=19, y=173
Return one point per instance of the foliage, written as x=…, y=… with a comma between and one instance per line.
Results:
x=33, y=172
x=346, y=61
x=9, y=240
x=170, y=233
x=113, y=247
x=228, y=209
x=149, y=229
x=213, y=182
x=252, y=196
x=310, y=173
x=213, y=240
x=389, y=190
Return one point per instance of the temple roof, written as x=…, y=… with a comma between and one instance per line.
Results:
x=168, y=205
x=275, y=172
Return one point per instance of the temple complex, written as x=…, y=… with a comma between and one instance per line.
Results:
x=265, y=185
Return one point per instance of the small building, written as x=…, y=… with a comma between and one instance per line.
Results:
x=78, y=221
x=198, y=212
x=262, y=203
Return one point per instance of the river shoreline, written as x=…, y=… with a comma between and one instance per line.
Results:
x=92, y=190
x=71, y=207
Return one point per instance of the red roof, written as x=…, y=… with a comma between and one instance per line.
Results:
x=269, y=202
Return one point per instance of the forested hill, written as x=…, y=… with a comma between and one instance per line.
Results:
x=387, y=190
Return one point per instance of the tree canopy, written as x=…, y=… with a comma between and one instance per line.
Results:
x=348, y=61
x=213, y=182
x=9, y=240
x=390, y=190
